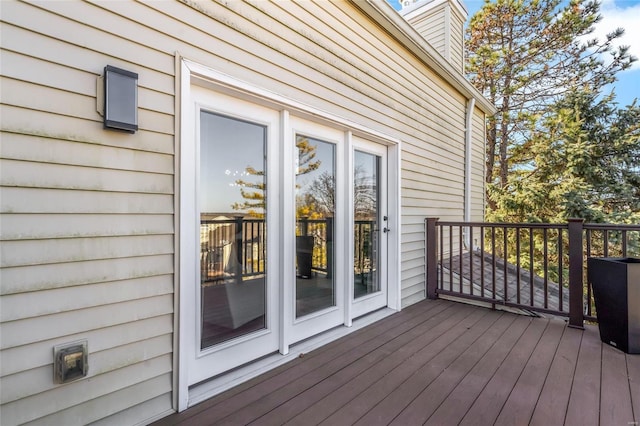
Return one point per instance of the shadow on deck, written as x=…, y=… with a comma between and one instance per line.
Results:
x=440, y=363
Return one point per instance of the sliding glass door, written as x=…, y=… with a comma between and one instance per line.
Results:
x=370, y=227
x=236, y=294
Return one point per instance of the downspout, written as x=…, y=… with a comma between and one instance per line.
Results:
x=467, y=170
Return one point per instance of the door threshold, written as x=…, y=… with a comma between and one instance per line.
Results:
x=205, y=390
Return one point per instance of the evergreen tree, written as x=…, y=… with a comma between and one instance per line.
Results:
x=585, y=163
x=524, y=56
x=254, y=192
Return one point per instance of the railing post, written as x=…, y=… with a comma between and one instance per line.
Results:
x=239, y=248
x=432, y=257
x=576, y=296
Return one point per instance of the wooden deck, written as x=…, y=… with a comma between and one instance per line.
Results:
x=441, y=363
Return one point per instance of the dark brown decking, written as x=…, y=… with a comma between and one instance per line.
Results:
x=441, y=363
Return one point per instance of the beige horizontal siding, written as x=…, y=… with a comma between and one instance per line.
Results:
x=88, y=213
x=456, y=40
x=431, y=26
x=45, y=200
x=100, y=156
x=35, y=329
x=88, y=251
x=125, y=406
x=45, y=277
x=87, y=178
x=35, y=355
x=59, y=55
x=43, y=226
x=27, y=305
x=30, y=382
x=152, y=409
x=145, y=378
x=43, y=124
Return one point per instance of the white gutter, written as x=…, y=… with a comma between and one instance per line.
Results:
x=468, y=238
x=467, y=159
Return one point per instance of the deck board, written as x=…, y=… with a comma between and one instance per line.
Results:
x=361, y=403
x=425, y=404
x=633, y=367
x=524, y=396
x=584, y=402
x=314, y=386
x=399, y=398
x=615, y=397
x=488, y=404
x=319, y=401
x=460, y=400
x=238, y=397
x=441, y=362
x=554, y=398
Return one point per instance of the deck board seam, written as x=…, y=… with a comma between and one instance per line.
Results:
x=477, y=361
x=337, y=372
x=573, y=378
x=524, y=367
x=391, y=391
x=337, y=408
x=388, y=337
x=455, y=357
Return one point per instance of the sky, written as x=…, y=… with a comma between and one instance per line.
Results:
x=615, y=13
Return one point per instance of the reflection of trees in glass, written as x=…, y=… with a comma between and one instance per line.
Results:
x=364, y=195
x=254, y=196
x=319, y=201
x=254, y=192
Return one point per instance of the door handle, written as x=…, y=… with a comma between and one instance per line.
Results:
x=385, y=230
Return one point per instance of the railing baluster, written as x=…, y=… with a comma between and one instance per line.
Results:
x=546, y=267
x=517, y=230
x=441, y=284
x=451, y=258
x=531, y=275
x=461, y=258
x=505, y=260
x=560, y=273
x=482, y=261
x=471, y=260
x=588, y=245
x=493, y=264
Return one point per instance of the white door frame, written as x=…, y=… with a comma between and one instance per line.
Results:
x=370, y=302
x=192, y=73
x=317, y=322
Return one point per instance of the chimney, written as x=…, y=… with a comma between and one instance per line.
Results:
x=441, y=23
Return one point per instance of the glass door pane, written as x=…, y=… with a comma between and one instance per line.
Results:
x=232, y=192
x=366, y=226
x=315, y=210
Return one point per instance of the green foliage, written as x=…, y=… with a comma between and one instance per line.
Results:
x=524, y=56
x=582, y=161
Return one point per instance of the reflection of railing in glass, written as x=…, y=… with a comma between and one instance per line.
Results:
x=231, y=248
x=220, y=257
x=322, y=232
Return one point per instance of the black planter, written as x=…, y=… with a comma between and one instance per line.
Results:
x=304, y=255
x=616, y=292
